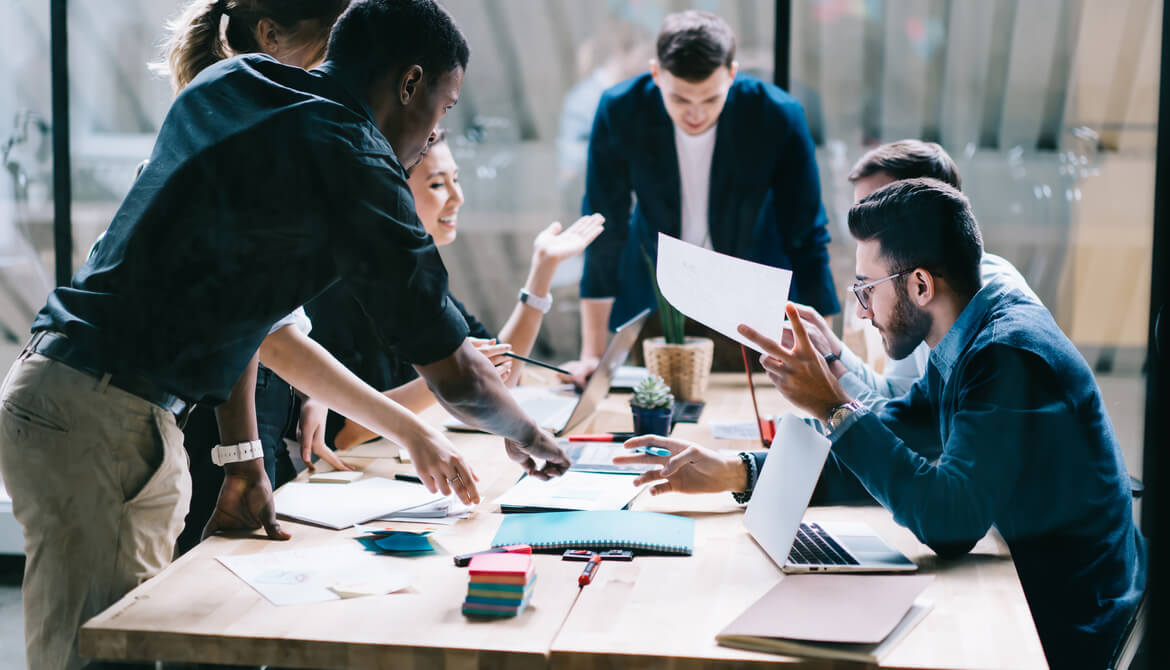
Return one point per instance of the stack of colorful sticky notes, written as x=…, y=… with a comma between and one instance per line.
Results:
x=500, y=586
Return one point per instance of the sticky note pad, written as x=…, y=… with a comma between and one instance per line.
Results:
x=501, y=565
x=404, y=543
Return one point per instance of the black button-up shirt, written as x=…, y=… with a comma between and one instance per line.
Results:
x=267, y=184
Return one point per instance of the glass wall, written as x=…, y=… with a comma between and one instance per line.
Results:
x=1049, y=108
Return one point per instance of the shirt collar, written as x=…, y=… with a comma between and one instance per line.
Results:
x=948, y=350
x=350, y=84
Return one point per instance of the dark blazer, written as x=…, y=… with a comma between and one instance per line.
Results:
x=765, y=195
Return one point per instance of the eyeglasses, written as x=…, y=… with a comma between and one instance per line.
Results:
x=862, y=291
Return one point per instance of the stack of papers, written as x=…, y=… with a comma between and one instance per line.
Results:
x=628, y=376
x=340, y=507
x=573, y=491
x=500, y=586
x=317, y=575
x=445, y=511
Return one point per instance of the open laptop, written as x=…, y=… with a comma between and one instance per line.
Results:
x=780, y=498
x=559, y=413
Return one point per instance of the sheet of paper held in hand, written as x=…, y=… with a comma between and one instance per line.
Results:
x=720, y=291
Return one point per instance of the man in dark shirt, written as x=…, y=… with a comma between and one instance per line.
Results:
x=1006, y=428
x=267, y=184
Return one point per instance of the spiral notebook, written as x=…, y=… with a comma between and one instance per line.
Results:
x=643, y=532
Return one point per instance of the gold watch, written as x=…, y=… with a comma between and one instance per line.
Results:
x=838, y=414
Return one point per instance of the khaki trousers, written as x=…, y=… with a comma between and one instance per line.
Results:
x=99, y=483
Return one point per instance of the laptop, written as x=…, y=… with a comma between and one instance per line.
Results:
x=780, y=498
x=559, y=413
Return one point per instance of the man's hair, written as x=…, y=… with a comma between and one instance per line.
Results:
x=693, y=44
x=908, y=159
x=382, y=36
x=923, y=223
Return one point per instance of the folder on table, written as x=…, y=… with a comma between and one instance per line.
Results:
x=643, y=532
x=840, y=616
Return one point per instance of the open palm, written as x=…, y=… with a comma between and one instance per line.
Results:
x=554, y=245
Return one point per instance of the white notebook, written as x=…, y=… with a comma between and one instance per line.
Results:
x=342, y=506
x=585, y=491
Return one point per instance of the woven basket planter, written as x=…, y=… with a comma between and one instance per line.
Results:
x=686, y=368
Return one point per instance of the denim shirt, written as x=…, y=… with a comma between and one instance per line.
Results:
x=1007, y=428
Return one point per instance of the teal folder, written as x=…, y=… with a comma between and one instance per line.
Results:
x=644, y=532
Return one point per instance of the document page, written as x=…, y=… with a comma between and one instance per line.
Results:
x=317, y=575
x=721, y=291
x=586, y=491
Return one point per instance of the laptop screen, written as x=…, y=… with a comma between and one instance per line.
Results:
x=614, y=357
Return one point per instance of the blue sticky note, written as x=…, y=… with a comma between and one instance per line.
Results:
x=400, y=542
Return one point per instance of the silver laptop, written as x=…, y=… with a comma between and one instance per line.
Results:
x=780, y=498
x=560, y=413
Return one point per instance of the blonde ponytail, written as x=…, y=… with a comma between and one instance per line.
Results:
x=196, y=42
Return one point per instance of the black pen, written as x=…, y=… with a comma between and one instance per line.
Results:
x=542, y=364
x=407, y=478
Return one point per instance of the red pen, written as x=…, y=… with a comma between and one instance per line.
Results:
x=590, y=570
x=602, y=437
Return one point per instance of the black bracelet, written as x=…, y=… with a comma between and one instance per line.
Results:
x=749, y=464
x=830, y=358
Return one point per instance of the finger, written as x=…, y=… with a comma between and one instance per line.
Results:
x=468, y=478
x=772, y=365
x=639, y=459
x=555, y=469
x=802, y=341
x=481, y=341
x=651, y=475
x=554, y=228
x=331, y=458
x=494, y=350
x=271, y=527
x=668, y=443
x=442, y=484
x=770, y=346
x=659, y=489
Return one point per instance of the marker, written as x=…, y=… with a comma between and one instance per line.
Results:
x=542, y=364
x=463, y=560
x=602, y=437
x=407, y=478
x=653, y=451
x=609, y=555
x=589, y=571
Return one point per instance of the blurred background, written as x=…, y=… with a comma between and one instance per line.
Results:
x=1048, y=106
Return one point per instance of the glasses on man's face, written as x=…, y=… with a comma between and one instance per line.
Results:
x=862, y=291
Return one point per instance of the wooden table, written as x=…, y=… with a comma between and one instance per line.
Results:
x=658, y=612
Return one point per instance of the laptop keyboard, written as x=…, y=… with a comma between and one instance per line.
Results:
x=813, y=546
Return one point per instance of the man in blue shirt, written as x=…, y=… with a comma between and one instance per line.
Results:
x=706, y=155
x=267, y=184
x=1006, y=428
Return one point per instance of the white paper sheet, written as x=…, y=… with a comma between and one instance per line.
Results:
x=318, y=575
x=443, y=512
x=721, y=291
x=342, y=506
x=573, y=491
x=742, y=430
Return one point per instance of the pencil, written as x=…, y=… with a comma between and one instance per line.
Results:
x=542, y=364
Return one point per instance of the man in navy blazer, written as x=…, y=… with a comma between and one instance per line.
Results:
x=703, y=154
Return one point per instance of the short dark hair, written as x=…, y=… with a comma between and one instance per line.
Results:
x=923, y=223
x=384, y=35
x=693, y=44
x=908, y=159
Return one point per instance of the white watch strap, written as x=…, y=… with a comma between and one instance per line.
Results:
x=542, y=303
x=222, y=454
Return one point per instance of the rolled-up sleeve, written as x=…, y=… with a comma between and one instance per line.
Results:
x=388, y=262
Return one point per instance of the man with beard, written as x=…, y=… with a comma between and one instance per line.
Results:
x=1006, y=428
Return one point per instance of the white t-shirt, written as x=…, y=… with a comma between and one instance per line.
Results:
x=694, y=175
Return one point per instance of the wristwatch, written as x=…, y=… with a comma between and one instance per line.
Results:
x=831, y=358
x=542, y=303
x=841, y=412
x=222, y=454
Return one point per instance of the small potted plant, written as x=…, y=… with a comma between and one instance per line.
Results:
x=684, y=362
x=652, y=405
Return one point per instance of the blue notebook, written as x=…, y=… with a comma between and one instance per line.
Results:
x=645, y=532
